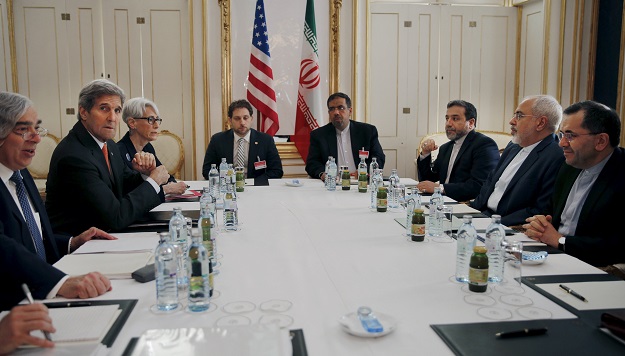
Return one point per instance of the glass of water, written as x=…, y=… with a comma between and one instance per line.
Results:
x=446, y=215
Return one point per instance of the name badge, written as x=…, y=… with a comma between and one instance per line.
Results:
x=363, y=154
x=260, y=165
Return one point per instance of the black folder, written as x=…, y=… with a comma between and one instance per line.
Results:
x=126, y=306
x=564, y=337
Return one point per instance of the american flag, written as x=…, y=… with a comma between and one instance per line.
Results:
x=260, y=92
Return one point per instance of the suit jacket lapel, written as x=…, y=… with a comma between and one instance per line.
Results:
x=567, y=184
x=529, y=161
x=331, y=140
x=514, y=150
x=598, y=190
x=24, y=237
x=252, y=152
x=229, y=146
x=445, y=156
x=86, y=140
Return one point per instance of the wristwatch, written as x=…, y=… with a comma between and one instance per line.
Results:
x=561, y=242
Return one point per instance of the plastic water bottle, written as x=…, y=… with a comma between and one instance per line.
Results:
x=413, y=201
x=393, y=180
x=208, y=199
x=327, y=165
x=204, y=224
x=372, y=167
x=166, y=280
x=199, y=273
x=369, y=321
x=495, y=238
x=178, y=233
x=435, y=219
x=376, y=182
x=213, y=181
x=231, y=177
x=331, y=176
x=230, y=210
x=223, y=170
x=465, y=241
x=362, y=176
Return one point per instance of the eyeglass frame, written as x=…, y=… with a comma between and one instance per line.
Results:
x=151, y=119
x=340, y=108
x=519, y=115
x=571, y=136
x=28, y=135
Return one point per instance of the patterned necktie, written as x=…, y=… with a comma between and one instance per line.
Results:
x=28, y=214
x=105, y=152
x=240, y=160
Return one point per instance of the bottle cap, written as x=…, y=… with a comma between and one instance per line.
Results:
x=479, y=249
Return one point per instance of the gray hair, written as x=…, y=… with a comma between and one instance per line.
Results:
x=136, y=107
x=97, y=88
x=547, y=105
x=12, y=107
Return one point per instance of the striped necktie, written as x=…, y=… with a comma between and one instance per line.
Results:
x=28, y=214
x=240, y=160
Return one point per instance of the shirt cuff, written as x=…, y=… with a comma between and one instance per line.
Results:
x=57, y=287
x=155, y=185
x=69, y=245
x=422, y=156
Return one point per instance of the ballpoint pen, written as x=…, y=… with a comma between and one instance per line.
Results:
x=521, y=333
x=573, y=293
x=29, y=297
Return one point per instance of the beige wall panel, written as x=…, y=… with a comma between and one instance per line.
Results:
x=568, y=56
x=493, y=85
x=5, y=58
x=42, y=56
x=455, y=63
x=585, y=52
x=532, y=45
x=427, y=71
x=384, y=79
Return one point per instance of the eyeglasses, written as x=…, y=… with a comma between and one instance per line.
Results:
x=570, y=136
x=519, y=115
x=27, y=134
x=151, y=119
x=340, y=108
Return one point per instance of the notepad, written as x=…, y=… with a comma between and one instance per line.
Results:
x=83, y=323
x=112, y=265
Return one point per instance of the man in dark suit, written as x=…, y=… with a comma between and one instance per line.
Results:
x=27, y=243
x=464, y=162
x=89, y=184
x=589, y=189
x=522, y=183
x=243, y=146
x=348, y=135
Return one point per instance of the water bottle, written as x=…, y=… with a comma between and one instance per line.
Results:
x=327, y=165
x=435, y=219
x=223, y=170
x=369, y=321
x=393, y=180
x=166, y=266
x=376, y=182
x=204, y=224
x=465, y=241
x=331, y=176
x=372, y=167
x=208, y=199
x=213, y=181
x=495, y=238
x=230, y=210
x=362, y=176
x=178, y=233
x=231, y=177
x=199, y=273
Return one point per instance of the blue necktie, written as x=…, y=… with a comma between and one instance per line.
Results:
x=28, y=214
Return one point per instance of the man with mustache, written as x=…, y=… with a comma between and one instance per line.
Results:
x=342, y=138
x=89, y=184
x=589, y=189
x=464, y=162
x=522, y=183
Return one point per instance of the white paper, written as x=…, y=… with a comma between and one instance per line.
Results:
x=126, y=242
x=457, y=209
x=112, y=265
x=600, y=294
x=185, y=206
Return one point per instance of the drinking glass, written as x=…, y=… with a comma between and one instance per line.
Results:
x=446, y=214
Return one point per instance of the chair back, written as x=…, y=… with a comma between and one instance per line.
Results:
x=170, y=152
x=40, y=164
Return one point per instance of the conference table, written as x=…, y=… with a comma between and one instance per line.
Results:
x=326, y=254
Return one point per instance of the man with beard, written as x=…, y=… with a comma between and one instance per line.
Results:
x=589, y=189
x=342, y=138
x=464, y=162
x=522, y=183
x=243, y=146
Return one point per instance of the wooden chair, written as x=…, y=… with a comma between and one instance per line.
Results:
x=170, y=152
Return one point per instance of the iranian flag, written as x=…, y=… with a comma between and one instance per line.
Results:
x=308, y=114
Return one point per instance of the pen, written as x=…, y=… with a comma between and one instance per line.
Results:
x=573, y=293
x=31, y=301
x=521, y=333
x=67, y=305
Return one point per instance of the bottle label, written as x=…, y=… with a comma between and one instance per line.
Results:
x=478, y=276
x=362, y=185
x=345, y=182
x=382, y=203
x=418, y=229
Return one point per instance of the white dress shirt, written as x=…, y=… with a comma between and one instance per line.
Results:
x=344, y=148
x=454, y=153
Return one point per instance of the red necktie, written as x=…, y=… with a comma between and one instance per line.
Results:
x=105, y=152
